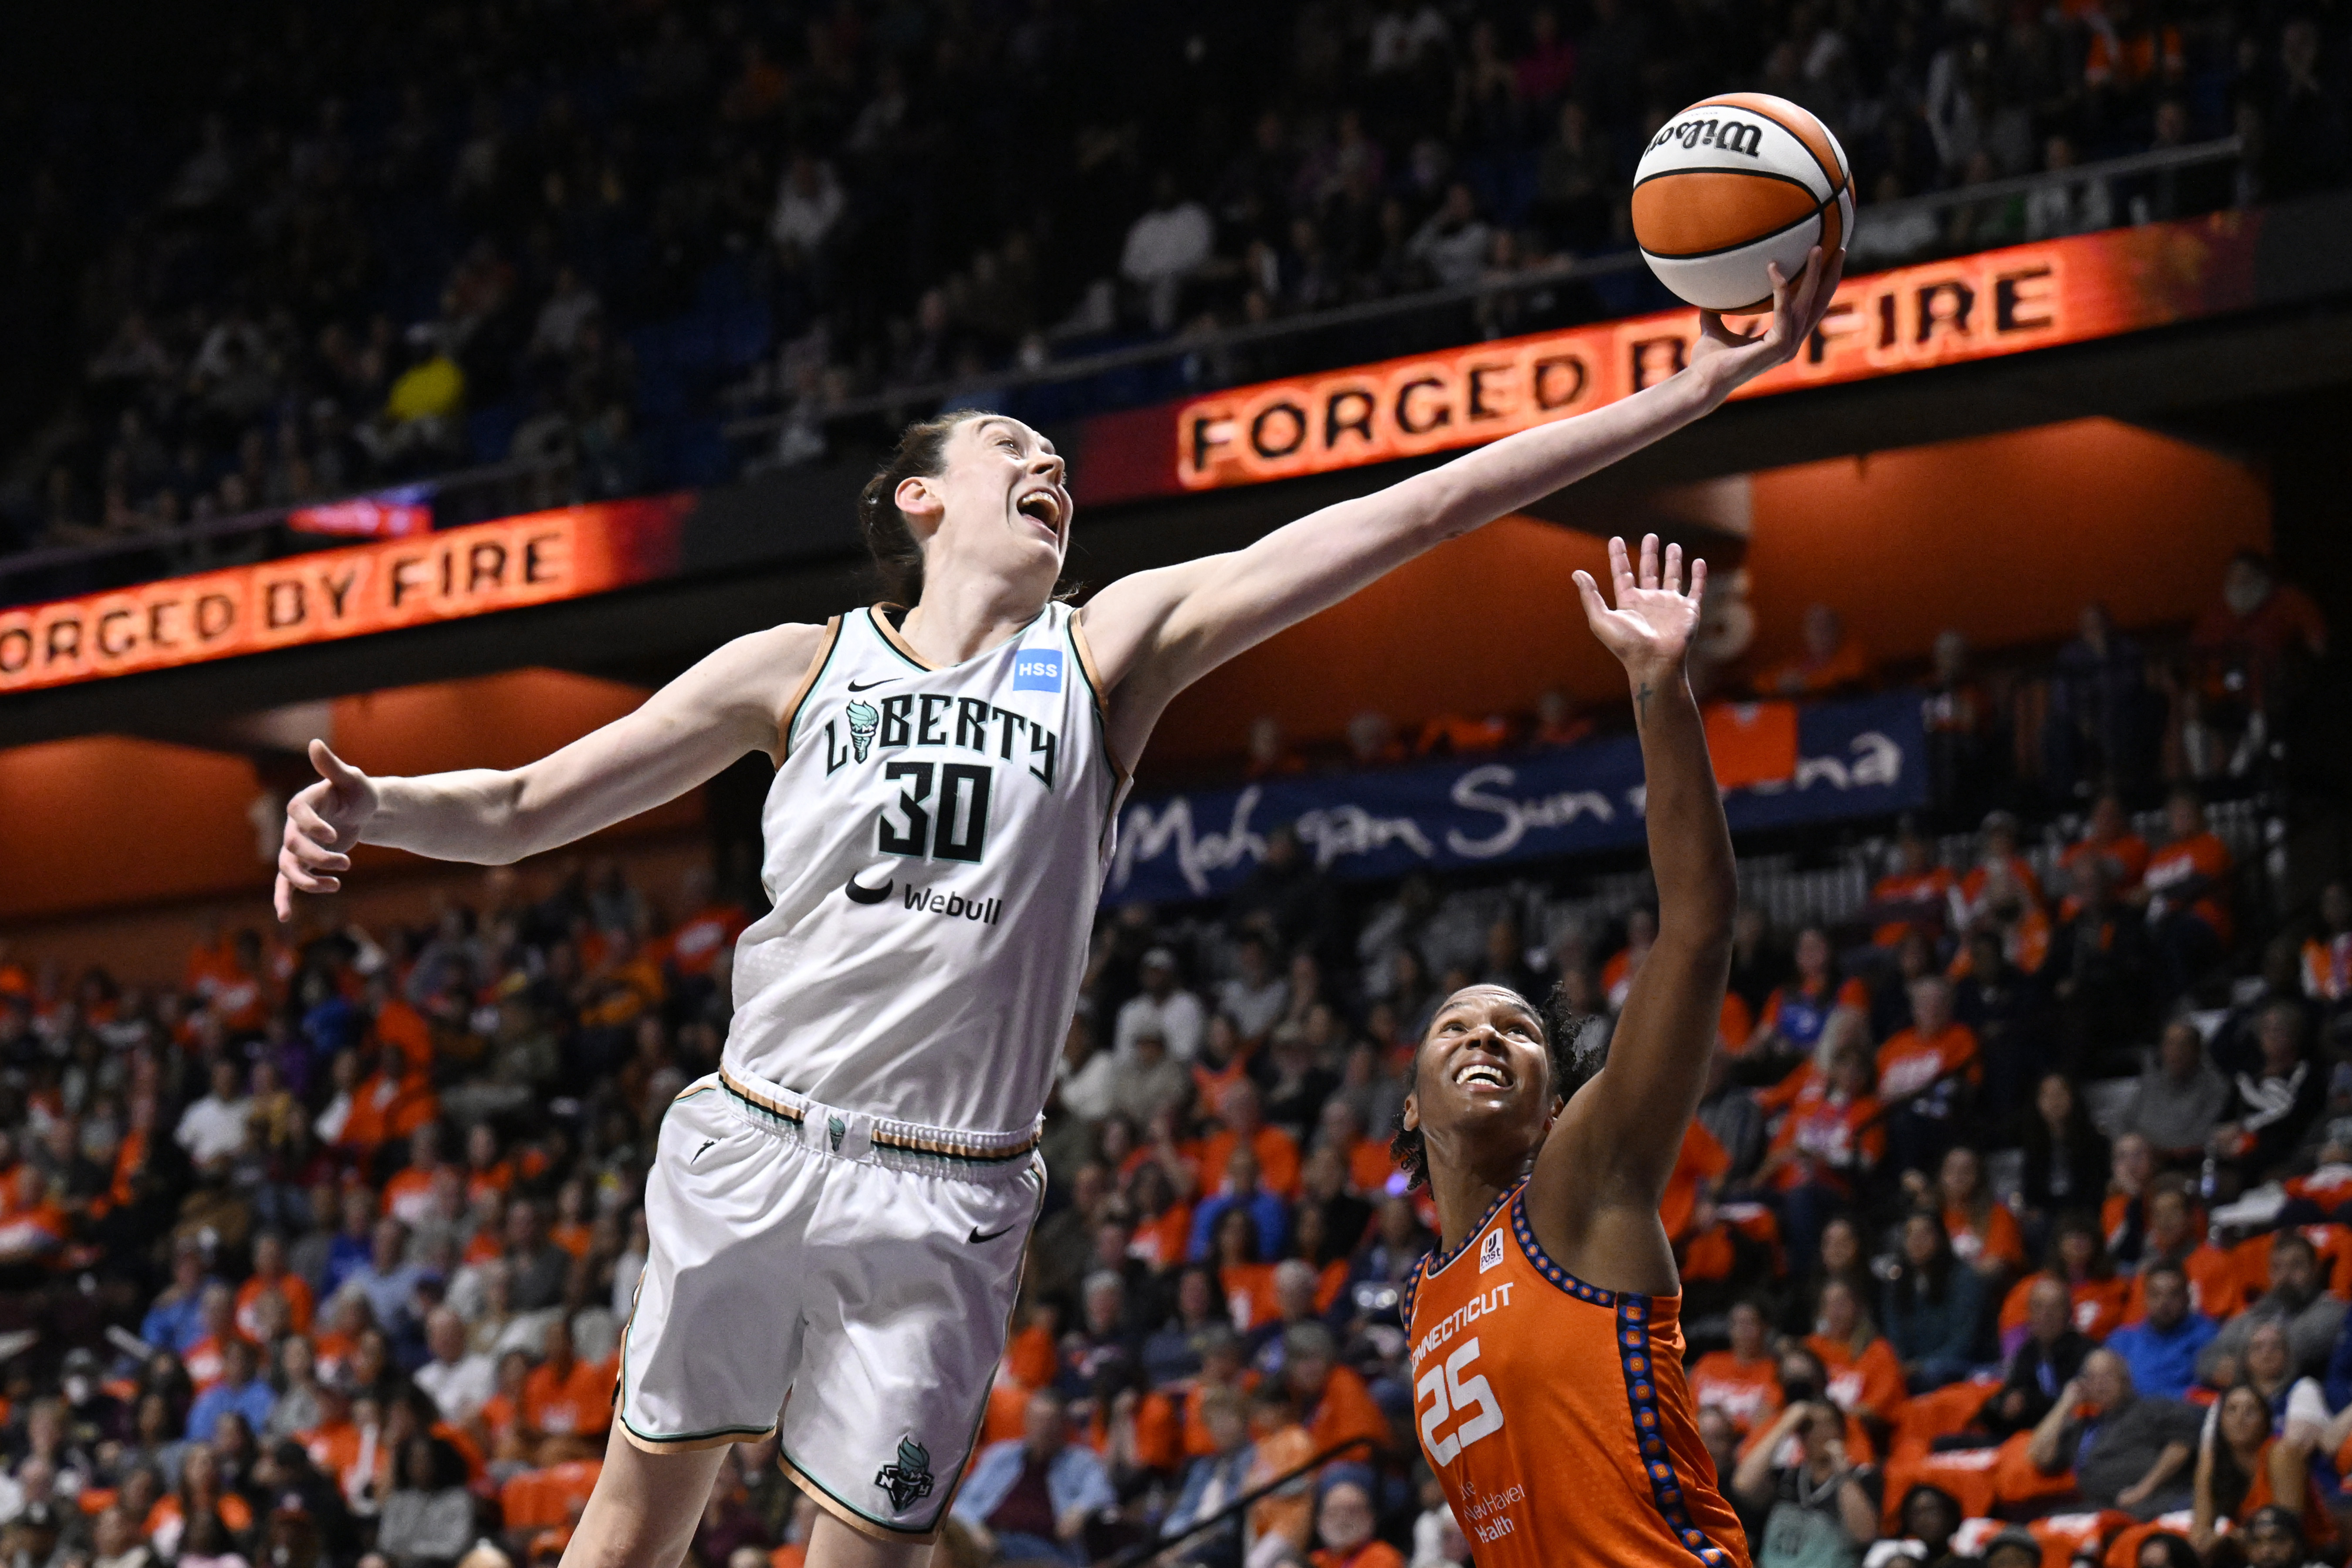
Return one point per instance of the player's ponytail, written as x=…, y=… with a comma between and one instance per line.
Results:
x=922, y=453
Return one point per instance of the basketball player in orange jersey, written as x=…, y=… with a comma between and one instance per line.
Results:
x=1546, y=1354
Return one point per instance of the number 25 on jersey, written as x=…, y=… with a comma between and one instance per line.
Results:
x=1450, y=1395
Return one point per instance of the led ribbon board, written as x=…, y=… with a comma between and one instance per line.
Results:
x=330, y=594
x=1982, y=306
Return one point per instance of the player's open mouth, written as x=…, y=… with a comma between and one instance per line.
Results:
x=1042, y=507
x=1481, y=1074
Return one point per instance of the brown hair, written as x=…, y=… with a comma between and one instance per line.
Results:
x=922, y=453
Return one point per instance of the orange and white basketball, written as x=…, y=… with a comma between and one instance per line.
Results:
x=1732, y=183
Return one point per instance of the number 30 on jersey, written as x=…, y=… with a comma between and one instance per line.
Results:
x=1449, y=1395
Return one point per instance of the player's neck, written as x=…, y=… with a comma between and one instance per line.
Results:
x=960, y=615
x=1464, y=1195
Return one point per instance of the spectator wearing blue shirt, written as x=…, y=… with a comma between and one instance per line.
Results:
x=238, y=1390
x=1215, y=1479
x=1028, y=1499
x=2162, y=1348
x=354, y=1243
x=176, y=1320
x=389, y=1284
x=1269, y=1219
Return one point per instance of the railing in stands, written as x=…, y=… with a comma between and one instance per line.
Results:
x=1532, y=300
x=1425, y=319
x=464, y=495
x=1161, y=1546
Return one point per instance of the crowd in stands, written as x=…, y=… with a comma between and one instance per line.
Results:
x=2036, y=729
x=393, y=242
x=2013, y=1222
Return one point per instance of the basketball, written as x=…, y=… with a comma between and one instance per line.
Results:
x=1732, y=184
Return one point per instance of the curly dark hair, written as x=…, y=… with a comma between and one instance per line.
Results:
x=1574, y=1061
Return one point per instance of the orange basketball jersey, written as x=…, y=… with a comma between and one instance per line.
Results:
x=1555, y=1413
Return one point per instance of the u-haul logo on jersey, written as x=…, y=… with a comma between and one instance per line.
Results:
x=1037, y=669
x=1490, y=1255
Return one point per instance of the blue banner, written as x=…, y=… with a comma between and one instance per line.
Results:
x=1860, y=758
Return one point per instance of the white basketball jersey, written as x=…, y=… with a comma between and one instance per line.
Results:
x=936, y=841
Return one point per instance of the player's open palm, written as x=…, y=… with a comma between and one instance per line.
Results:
x=323, y=823
x=1655, y=616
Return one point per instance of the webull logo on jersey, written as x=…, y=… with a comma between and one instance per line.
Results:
x=925, y=720
x=1037, y=669
x=955, y=905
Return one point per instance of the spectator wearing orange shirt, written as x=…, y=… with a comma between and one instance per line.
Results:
x=1865, y=1379
x=2079, y=1262
x=1744, y=1381
x=1334, y=1405
x=2108, y=839
x=1831, y=1136
x=2187, y=894
x=2002, y=885
x=703, y=935
x=1343, y=1524
x=1241, y=1117
x=408, y=1196
x=271, y=1276
x=1925, y=1075
x=1831, y=661
x=1983, y=1231
x=1915, y=896
x=567, y=1403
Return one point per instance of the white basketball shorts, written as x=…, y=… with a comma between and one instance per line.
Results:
x=847, y=1282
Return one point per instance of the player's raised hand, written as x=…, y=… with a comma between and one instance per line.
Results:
x=322, y=823
x=1732, y=358
x=1654, y=617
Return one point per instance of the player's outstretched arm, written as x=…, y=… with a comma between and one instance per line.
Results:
x=1603, y=1170
x=685, y=732
x=1157, y=632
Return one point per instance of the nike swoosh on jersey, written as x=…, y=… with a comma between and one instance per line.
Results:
x=977, y=1236
x=870, y=684
x=864, y=895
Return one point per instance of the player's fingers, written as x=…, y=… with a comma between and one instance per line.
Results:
x=1621, y=569
x=315, y=856
x=1649, y=560
x=282, y=898
x=303, y=879
x=1697, y=579
x=1671, y=578
x=334, y=769
x=1595, y=606
x=302, y=817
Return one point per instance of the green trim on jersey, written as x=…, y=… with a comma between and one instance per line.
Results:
x=792, y=730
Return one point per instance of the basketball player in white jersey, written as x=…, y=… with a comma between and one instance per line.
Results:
x=838, y=1215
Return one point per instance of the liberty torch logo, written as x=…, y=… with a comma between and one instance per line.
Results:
x=909, y=1481
x=863, y=717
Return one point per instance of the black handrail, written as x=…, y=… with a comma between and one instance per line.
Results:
x=1144, y=1550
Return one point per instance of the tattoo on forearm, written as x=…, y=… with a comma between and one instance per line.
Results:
x=1642, y=703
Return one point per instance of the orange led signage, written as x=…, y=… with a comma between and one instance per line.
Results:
x=335, y=594
x=1982, y=306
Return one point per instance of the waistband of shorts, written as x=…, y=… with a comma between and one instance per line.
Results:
x=843, y=1131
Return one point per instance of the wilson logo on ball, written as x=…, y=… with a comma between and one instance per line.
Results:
x=1733, y=186
x=1728, y=135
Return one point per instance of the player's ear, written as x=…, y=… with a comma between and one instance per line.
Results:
x=920, y=503
x=1410, y=1118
